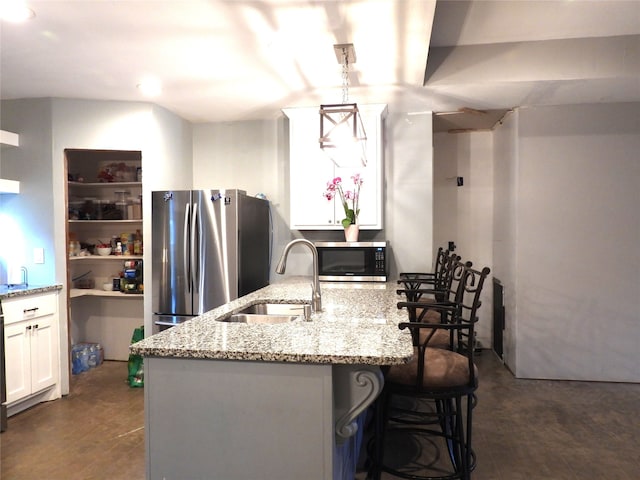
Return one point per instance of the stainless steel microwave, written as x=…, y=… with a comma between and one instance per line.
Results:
x=352, y=261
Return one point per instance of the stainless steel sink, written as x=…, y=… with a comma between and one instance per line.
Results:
x=270, y=313
x=296, y=309
x=259, y=319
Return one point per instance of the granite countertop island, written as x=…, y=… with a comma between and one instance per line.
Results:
x=358, y=325
x=288, y=401
x=7, y=291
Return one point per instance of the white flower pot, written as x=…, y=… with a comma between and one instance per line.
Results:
x=351, y=232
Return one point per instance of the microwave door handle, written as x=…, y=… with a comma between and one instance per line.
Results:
x=185, y=243
x=195, y=248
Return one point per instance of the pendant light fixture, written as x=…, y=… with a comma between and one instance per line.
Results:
x=342, y=135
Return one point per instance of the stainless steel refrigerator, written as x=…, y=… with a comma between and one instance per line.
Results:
x=208, y=247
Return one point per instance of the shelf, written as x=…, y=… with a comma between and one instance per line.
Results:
x=9, y=186
x=9, y=139
x=105, y=222
x=93, y=292
x=100, y=258
x=105, y=184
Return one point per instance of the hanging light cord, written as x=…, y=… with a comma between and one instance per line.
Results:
x=345, y=76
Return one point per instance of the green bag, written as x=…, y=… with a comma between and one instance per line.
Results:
x=136, y=370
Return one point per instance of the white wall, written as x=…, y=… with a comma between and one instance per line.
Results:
x=253, y=156
x=26, y=219
x=237, y=155
x=48, y=126
x=577, y=241
x=164, y=140
x=464, y=214
x=505, y=203
x=250, y=156
x=409, y=192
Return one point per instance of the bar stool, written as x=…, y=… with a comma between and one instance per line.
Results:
x=452, y=291
x=447, y=380
x=417, y=285
x=442, y=258
x=442, y=377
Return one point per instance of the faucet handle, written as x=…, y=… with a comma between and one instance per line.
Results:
x=307, y=312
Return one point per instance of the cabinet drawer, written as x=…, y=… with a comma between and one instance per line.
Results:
x=26, y=308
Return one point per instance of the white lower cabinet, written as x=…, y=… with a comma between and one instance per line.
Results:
x=31, y=345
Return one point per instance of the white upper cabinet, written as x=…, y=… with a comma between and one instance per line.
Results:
x=311, y=169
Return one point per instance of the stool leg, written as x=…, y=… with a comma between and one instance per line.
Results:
x=468, y=450
x=464, y=462
x=459, y=440
x=448, y=412
x=375, y=470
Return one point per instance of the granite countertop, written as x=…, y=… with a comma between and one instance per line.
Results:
x=7, y=292
x=358, y=325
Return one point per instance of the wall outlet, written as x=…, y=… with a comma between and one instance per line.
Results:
x=38, y=255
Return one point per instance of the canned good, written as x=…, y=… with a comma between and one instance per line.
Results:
x=130, y=273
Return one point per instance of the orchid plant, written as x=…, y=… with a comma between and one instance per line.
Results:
x=352, y=209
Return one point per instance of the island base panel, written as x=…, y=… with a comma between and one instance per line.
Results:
x=238, y=420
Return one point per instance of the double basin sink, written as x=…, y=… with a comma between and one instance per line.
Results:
x=267, y=313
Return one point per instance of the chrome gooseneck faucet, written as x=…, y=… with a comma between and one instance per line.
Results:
x=316, y=296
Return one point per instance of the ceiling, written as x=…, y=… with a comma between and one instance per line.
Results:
x=234, y=60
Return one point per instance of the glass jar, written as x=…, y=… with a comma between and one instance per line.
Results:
x=74, y=248
x=122, y=208
x=75, y=206
x=121, y=203
x=89, y=209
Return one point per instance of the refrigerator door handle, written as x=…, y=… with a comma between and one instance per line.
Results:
x=195, y=239
x=185, y=255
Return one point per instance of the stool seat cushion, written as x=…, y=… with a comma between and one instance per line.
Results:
x=440, y=338
x=442, y=369
x=432, y=316
x=427, y=300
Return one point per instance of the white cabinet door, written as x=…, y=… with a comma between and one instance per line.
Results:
x=43, y=353
x=311, y=169
x=17, y=339
x=31, y=344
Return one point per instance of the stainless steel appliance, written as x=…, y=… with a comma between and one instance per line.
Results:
x=3, y=383
x=352, y=261
x=208, y=247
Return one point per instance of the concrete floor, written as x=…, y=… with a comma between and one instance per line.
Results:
x=96, y=432
x=524, y=429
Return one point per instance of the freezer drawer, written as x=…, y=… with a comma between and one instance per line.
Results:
x=164, y=322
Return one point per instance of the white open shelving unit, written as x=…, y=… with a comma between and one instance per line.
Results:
x=96, y=315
